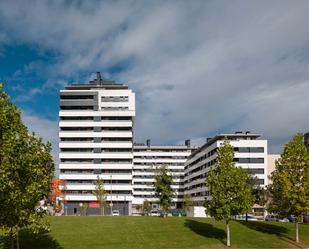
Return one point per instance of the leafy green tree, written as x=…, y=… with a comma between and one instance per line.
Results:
x=163, y=188
x=228, y=187
x=83, y=209
x=26, y=169
x=146, y=207
x=290, y=187
x=187, y=202
x=100, y=194
x=260, y=194
x=138, y=208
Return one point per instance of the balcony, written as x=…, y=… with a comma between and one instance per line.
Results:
x=68, y=113
x=89, y=176
x=90, y=197
x=64, y=134
x=91, y=155
x=87, y=186
x=87, y=144
x=87, y=123
x=108, y=165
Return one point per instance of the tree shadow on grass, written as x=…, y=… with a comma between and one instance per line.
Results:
x=29, y=240
x=265, y=227
x=206, y=230
x=279, y=231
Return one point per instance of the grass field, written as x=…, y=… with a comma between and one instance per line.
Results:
x=159, y=233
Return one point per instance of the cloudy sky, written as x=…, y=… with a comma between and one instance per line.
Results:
x=197, y=67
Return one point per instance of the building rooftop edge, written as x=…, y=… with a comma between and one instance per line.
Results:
x=221, y=136
x=97, y=83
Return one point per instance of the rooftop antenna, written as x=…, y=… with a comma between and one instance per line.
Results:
x=99, y=79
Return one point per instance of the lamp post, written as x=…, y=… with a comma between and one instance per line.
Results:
x=125, y=204
x=111, y=204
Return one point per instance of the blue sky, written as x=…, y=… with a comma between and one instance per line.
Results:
x=197, y=67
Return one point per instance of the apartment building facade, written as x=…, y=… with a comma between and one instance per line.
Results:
x=96, y=140
x=147, y=158
x=250, y=154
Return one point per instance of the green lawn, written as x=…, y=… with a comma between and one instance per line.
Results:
x=159, y=233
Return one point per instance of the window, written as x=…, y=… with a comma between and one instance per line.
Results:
x=255, y=171
x=249, y=160
x=249, y=149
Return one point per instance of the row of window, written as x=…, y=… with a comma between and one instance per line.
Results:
x=249, y=149
x=180, y=184
x=161, y=150
x=203, y=166
x=160, y=157
x=95, y=139
x=154, y=170
x=249, y=160
x=95, y=161
x=114, y=108
x=199, y=185
x=90, y=107
x=96, y=129
x=95, y=171
x=76, y=97
x=152, y=176
x=115, y=99
x=212, y=162
x=89, y=192
x=96, y=150
x=95, y=118
x=236, y=149
x=89, y=182
x=152, y=196
x=201, y=158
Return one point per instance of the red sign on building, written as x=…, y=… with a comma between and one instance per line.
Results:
x=94, y=204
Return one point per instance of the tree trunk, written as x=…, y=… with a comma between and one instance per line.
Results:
x=246, y=217
x=296, y=231
x=103, y=211
x=228, y=240
x=17, y=240
x=12, y=239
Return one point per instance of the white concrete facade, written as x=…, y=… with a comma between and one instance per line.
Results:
x=250, y=153
x=96, y=140
x=147, y=158
x=271, y=165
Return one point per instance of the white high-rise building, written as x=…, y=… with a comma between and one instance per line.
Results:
x=147, y=158
x=250, y=154
x=96, y=135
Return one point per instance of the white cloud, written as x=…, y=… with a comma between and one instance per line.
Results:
x=198, y=67
x=44, y=128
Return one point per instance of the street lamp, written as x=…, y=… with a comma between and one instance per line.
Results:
x=111, y=204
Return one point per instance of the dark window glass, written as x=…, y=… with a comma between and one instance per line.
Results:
x=255, y=171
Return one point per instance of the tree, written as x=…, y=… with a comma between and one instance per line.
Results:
x=26, y=169
x=56, y=190
x=228, y=187
x=260, y=194
x=83, y=209
x=146, y=207
x=290, y=187
x=163, y=188
x=100, y=194
x=188, y=202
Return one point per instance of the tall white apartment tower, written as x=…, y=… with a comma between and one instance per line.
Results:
x=96, y=121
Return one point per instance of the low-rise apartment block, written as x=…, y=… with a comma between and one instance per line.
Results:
x=250, y=154
x=147, y=158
